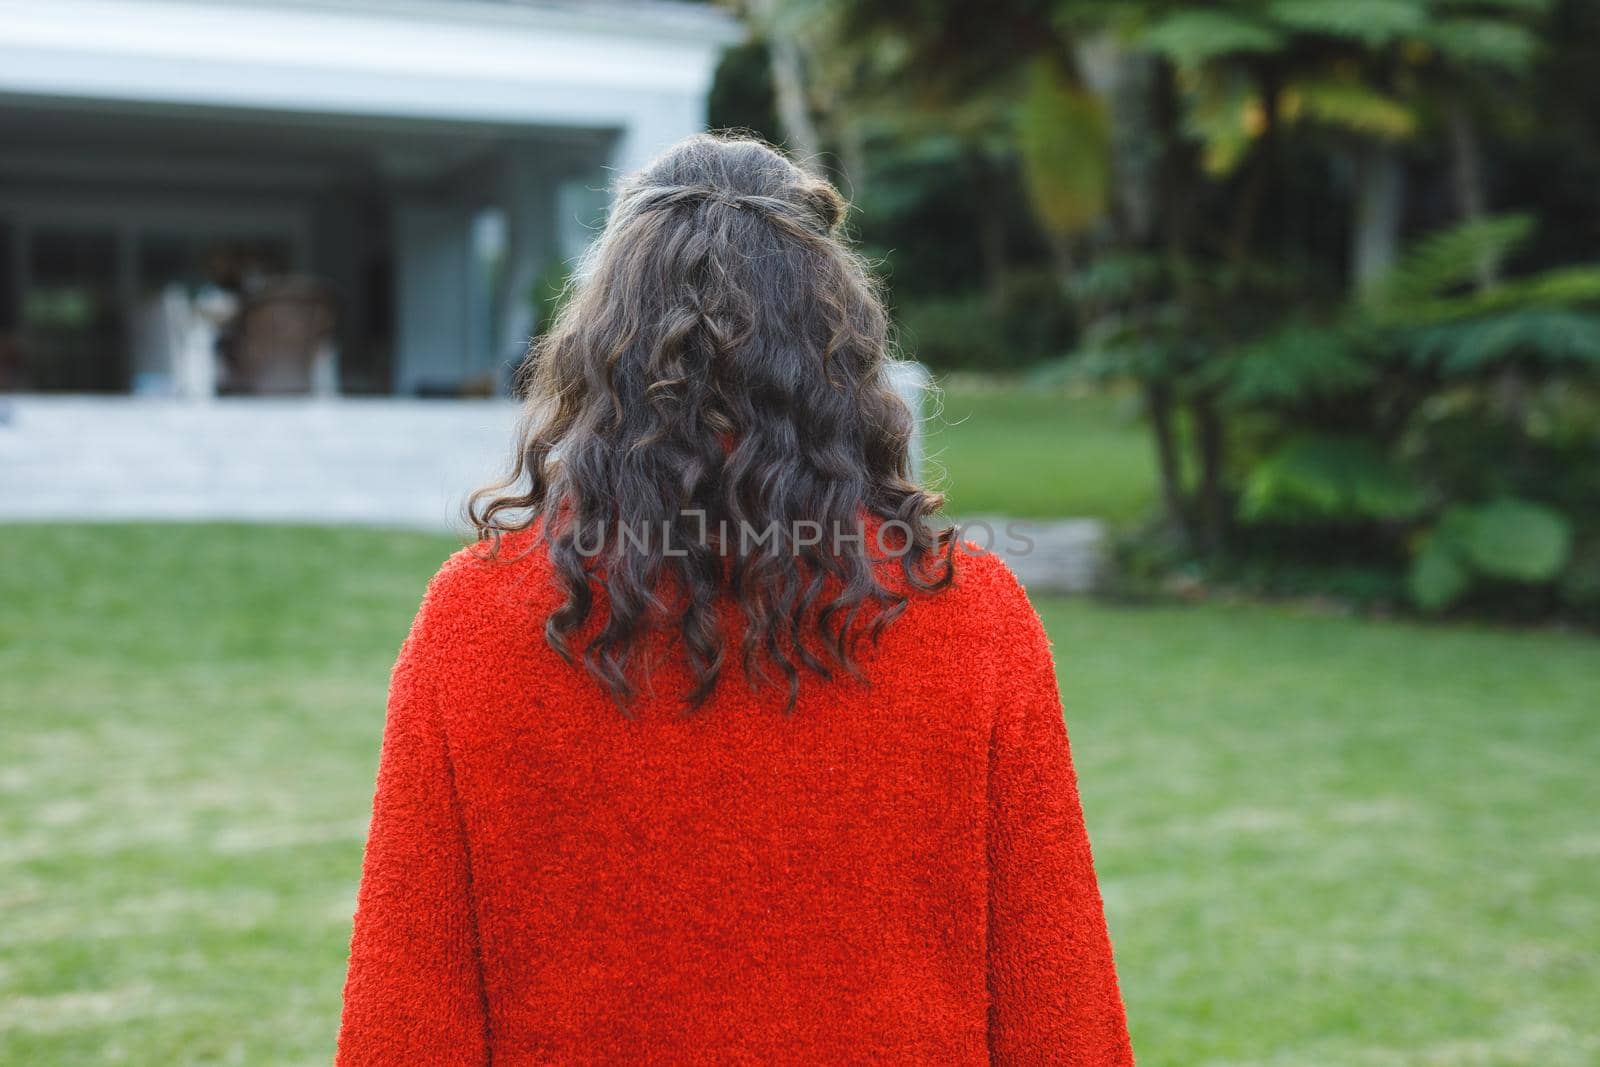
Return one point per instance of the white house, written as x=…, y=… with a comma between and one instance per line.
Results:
x=206, y=201
x=421, y=167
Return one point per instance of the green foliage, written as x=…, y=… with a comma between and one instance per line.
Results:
x=1539, y=336
x=1213, y=184
x=1222, y=114
x=1349, y=104
x=1580, y=582
x=1063, y=140
x=1030, y=322
x=1324, y=477
x=1516, y=540
x=1299, y=362
x=950, y=333
x=1372, y=22
x=1118, y=277
x=1579, y=284
x=1504, y=7
x=1483, y=42
x=741, y=96
x=550, y=292
x=1192, y=37
x=1452, y=257
x=1438, y=577
x=1507, y=539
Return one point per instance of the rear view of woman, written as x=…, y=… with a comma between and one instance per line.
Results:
x=714, y=749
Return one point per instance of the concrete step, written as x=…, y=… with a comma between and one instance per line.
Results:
x=397, y=462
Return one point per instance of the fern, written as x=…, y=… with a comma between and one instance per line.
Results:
x=1194, y=38
x=1505, y=7
x=1547, y=337
x=1351, y=105
x=1449, y=258
x=1373, y=23
x=1298, y=363
x=1483, y=42
x=1560, y=287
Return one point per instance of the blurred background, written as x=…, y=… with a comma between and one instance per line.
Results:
x=1278, y=322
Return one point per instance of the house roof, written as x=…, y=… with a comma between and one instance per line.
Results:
x=604, y=64
x=699, y=21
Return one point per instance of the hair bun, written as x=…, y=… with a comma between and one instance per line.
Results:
x=824, y=201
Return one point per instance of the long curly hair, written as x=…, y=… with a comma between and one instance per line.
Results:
x=718, y=376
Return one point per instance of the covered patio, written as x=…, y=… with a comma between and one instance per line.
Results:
x=337, y=197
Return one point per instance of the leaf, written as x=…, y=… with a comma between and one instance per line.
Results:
x=1193, y=38
x=1225, y=114
x=1506, y=7
x=1117, y=276
x=1547, y=337
x=1329, y=477
x=1298, y=363
x=1560, y=286
x=1064, y=141
x=1373, y=23
x=1449, y=258
x=1437, y=578
x=1483, y=42
x=1518, y=540
x=1350, y=105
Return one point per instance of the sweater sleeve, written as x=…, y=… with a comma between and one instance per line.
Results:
x=414, y=991
x=1052, y=983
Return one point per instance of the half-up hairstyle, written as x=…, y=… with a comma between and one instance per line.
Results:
x=720, y=365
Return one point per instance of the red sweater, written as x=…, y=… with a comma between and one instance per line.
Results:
x=894, y=873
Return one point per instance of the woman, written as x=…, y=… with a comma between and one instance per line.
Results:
x=712, y=749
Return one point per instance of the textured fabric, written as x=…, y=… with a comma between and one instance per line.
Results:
x=895, y=872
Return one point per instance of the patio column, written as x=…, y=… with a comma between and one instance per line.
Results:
x=527, y=195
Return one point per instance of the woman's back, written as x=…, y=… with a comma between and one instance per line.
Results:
x=894, y=872
x=722, y=753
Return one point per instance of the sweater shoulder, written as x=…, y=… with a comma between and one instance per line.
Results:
x=480, y=587
x=998, y=613
x=985, y=583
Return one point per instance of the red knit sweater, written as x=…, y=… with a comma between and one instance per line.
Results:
x=893, y=873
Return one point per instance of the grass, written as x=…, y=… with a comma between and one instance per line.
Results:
x=1322, y=841
x=1086, y=454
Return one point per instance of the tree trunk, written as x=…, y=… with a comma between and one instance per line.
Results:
x=852, y=168
x=1127, y=81
x=1176, y=174
x=1064, y=257
x=1466, y=175
x=1159, y=410
x=788, y=85
x=1380, y=190
x=1209, y=439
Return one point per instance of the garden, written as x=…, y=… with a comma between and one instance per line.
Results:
x=1323, y=838
x=1298, y=297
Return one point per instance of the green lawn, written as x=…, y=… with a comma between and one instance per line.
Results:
x=1086, y=454
x=1323, y=841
